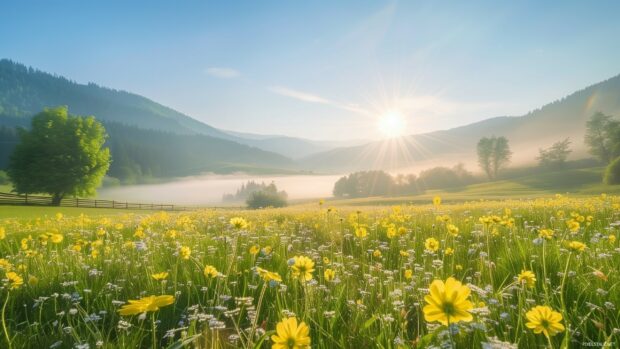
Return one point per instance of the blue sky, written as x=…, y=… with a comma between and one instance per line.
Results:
x=323, y=69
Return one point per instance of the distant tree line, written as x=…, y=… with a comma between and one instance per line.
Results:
x=603, y=140
x=381, y=183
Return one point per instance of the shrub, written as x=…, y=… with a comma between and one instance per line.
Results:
x=4, y=178
x=612, y=173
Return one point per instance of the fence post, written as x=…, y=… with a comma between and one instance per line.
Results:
x=77, y=202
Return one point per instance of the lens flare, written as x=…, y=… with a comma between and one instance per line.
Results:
x=392, y=124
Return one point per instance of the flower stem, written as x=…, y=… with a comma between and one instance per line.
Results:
x=153, y=331
x=4, y=328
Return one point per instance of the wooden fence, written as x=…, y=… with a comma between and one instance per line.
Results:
x=35, y=200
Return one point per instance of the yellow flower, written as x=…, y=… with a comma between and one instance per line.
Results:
x=404, y=253
x=302, y=268
x=326, y=261
x=146, y=304
x=329, y=274
x=56, y=238
x=527, y=277
x=612, y=239
x=33, y=280
x=391, y=232
x=573, y=225
x=448, y=302
x=431, y=244
x=577, y=246
x=268, y=275
x=361, y=232
x=448, y=251
x=210, y=271
x=15, y=281
x=458, y=267
x=437, y=201
x=543, y=319
x=290, y=335
x=238, y=223
x=160, y=276
x=185, y=252
x=453, y=229
x=254, y=250
x=376, y=253
x=545, y=234
x=408, y=274
x=2, y=233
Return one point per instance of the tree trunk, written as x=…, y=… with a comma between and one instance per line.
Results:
x=56, y=199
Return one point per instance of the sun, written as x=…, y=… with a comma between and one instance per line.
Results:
x=392, y=124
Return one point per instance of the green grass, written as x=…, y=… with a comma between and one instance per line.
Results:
x=29, y=212
x=78, y=272
x=577, y=182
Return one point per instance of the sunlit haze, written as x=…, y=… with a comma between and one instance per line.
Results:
x=319, y=69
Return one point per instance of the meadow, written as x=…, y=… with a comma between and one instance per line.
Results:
x=478, y=274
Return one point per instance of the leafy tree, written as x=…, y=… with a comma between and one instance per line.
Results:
x=493, y=154
x=555, y=156
x=266, y=198
x=485, y=152
x=602, y=136
x=61, y=155
x=612, y=173
x=364, y=184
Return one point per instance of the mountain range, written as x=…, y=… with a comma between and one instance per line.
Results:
x=143, y=133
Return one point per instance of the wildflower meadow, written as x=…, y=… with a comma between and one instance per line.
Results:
x=483, y=274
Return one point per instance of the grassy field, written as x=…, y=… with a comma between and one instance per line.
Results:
x=576, y=182
x=375, y=277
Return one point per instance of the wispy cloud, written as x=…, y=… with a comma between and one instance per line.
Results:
x=300, y=95
x=313, y=98
x=223, y=73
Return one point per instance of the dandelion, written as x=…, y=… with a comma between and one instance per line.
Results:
x=431, y=244
x=577, y=246
x=527, y=277
x=210, y=271
x=361, y=232
x=291, y=335
x=146, y=304
x=448, y=251
x=408, y=274
x=453, y=230
x=543, y=319
x=302, y=268
x=56, y=238
x=160, y=276
x=329, y=275
x=545, y=234
x=238, y=223
x=254, y=250
x=267, y=275
x=33, y=281
x=2, y=233
x=448, y=302
x=185, y=252
x=15, y=281
x=437, y=201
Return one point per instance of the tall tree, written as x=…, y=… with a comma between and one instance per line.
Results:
x=493, y=154
x=485, y=152
x=555, y=156
x=61, y=155
x=501, y=154
x=601, y=131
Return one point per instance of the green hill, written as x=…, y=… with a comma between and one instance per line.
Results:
x=147, y=139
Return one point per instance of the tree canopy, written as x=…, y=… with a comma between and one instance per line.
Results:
x=61, y=155
x=555, y=156
x=493, y=154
